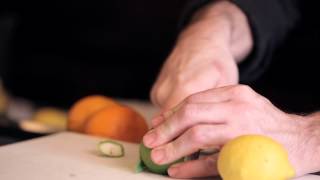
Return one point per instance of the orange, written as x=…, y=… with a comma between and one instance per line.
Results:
x=117, y=122
x=86, y=107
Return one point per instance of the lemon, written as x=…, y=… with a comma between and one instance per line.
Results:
x=52, y=117
x=254, y=157
x=145, y=155
x=4, y=100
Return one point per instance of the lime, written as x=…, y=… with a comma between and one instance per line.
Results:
x=145, y=155
x=111, y=148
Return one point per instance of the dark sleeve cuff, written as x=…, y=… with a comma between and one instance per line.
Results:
x=270, y=22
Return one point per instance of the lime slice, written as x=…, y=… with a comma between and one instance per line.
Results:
x=111, y=148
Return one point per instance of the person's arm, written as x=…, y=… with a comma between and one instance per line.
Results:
x=270, y=23
x=205, y=55
x=220, y=39
x=211, y=118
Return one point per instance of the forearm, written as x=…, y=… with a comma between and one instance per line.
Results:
x=311, y=144
x=205, y=55
x=315, y=137
x=231, y=24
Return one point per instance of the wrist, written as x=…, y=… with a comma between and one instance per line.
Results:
x=210, y=27
x=206, y=43
x=223, y=24
x=312, y=141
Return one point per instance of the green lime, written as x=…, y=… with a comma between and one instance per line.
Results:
x=145, y=155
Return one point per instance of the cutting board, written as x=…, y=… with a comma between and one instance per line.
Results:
x=66, y=156
x=71, y=156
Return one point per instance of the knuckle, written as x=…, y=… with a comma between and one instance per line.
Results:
x=153, y=94
x=243, y=89
x=157, y=96
x=180, y=77
x=263, y=100
x=188, y=111
x=190, y=99
x=243, y=108
x=197, y=135
x=193, y=98
x=216, y=68
x=243, y=92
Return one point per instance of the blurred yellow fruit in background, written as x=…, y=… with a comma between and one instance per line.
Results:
x=51, y=117
x=3, y=99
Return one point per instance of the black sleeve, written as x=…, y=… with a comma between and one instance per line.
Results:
x=270, y=22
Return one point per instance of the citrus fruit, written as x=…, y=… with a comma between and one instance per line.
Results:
x=52, y=117
x=117, y=122
x=111, y=148
x=4, y=99
x=145, y=155
x=84, y=108
x=254, y=157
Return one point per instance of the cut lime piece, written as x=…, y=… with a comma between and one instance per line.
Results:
x=140, y=166
x=111, y=148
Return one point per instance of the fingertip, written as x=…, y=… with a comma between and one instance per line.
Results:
x=158, y=156
x=173, y=170
x=193, y=169
x=144, y=141
x=149, y=138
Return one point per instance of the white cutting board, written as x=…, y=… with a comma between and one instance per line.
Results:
x=66, y=156
x=70, y=156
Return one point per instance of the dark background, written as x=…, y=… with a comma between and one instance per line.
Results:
x=292, y=82
x=56, y=52
x=62, y=50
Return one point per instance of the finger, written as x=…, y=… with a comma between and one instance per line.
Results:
x=193, y=169
x=174, y=99
x=209, y=96
x=215, y=95
x=157, y=120
x=198, y=137
x=187, y=116
x=165, y=115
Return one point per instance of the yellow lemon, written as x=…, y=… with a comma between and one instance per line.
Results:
x=4, y=100
x=52, y=117
x=254, y=157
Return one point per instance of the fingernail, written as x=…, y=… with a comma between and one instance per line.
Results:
x=173, y=170
x=158, y=156
x=149, y=138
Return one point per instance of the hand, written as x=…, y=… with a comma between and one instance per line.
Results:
x=213, y=117
x=206, y=54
